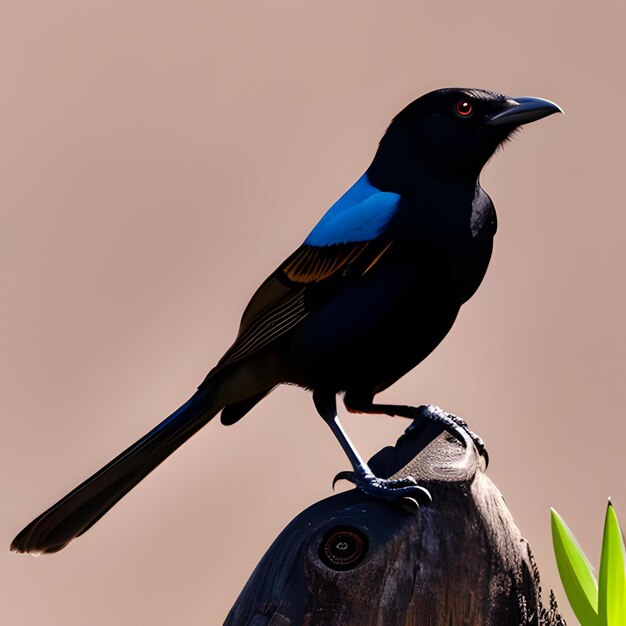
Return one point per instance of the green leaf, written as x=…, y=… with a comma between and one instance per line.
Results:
x=576, y=573
x=612, y=584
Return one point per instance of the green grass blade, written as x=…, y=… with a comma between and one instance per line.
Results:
x=576, y=573
x=612, y=583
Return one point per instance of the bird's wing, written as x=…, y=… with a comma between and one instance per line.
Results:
x=346, y=243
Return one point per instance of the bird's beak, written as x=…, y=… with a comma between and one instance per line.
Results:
x=520, y=111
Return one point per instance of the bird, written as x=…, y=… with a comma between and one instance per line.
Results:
x=370, y=293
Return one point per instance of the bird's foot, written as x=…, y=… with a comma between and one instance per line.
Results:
x=450, y=422
x=404, y=491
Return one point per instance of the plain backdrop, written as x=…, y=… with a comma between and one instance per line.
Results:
x=159, y=159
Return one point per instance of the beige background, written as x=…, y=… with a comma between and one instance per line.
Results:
x=159, y=159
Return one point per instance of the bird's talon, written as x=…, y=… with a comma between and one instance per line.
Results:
x=453, y=424
x=407, y=481
x=390, y=489
x=393, y=489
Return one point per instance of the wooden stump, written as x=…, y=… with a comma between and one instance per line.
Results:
x=351, y=560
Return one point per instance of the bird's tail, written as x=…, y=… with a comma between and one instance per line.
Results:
x=71, y=516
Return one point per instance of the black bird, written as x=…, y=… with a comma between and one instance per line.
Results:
x=370, y=293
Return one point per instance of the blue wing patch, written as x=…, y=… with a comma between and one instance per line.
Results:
x=361, y=214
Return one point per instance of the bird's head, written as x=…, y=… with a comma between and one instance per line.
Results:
x=452, y=133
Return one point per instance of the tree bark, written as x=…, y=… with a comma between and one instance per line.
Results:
x=351, y=560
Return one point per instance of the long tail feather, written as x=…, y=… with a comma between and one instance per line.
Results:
x=71, y=516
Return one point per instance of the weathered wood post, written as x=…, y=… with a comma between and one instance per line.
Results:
x=350, y=560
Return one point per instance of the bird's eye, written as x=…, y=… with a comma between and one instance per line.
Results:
x=464, y=108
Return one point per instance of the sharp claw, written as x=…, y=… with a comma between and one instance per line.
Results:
x=410, y=505
x=423, y=497
x=349, y=476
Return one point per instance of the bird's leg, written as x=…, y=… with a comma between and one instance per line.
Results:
x=420, y=416
x=362, y=476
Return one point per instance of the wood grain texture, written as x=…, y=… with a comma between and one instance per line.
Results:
x=458, y=561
